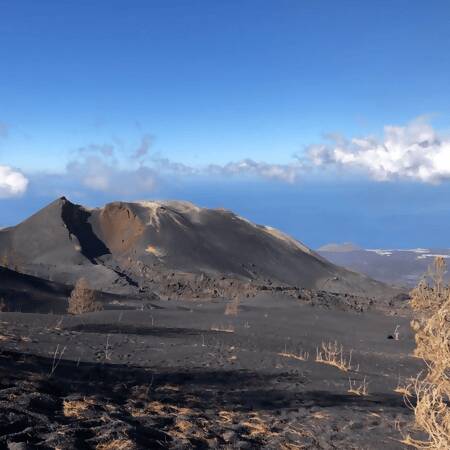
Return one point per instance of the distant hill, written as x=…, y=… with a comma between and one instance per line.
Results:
x=345, y=247
x=131, y=247
x=393, y=266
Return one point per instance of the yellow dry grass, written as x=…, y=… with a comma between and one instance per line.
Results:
x=77, y=408
x=360, y=389
x=116, y=444
x=226, y=417
x=256, y=427
x=183, y=426
x=301, y=356
x=403, y=388
x=158, y=408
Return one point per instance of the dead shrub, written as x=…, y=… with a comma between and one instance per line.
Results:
x=359, y=389
x=332, y=353
x=300, y=356
x=83, y=299
x=232, y=308
x=429, y=394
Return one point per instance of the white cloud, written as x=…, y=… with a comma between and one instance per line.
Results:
x=288, y=173
x=12, y=182
x=98, y=173
x=414, y=152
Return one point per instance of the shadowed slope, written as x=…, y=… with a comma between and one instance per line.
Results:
x=26, y=293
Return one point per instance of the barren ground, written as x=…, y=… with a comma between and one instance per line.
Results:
x=184, y=375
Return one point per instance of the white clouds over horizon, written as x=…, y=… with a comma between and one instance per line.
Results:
x=412, y=152
x=288, y=173
x=415, y=152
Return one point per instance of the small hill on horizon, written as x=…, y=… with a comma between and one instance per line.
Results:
x=344, y=247
x=402, y=267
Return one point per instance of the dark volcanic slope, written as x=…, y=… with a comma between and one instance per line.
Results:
x=26, y=293
x=123, y=244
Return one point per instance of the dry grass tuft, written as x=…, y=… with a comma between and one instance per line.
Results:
x=301, y=356
x=256, y=427
x=320, y=415
x=403, y=388
x=116, y=444
x=360, y=389
x=158, y=408
x=82, y=299
x=77, y=408
x=183, y=426
x=223, y=328
x=332, y=353
x=429, y=394
x=226, y=417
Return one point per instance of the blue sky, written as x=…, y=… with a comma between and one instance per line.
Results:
x=233, y=104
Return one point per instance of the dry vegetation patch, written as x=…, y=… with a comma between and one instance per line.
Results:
x=83, y=299
x=232, y=308
x=116, y=444
x=257, y=427
x=77, y=408
x=429, y=394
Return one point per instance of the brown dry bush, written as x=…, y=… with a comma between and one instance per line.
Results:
x=429, y=393
x=83, y=299
x=232, y=308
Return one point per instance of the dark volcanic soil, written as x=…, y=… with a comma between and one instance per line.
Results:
x=184, y=375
